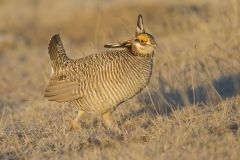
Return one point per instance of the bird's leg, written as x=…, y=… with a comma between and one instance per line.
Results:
x=109, y=122
x=74, y=123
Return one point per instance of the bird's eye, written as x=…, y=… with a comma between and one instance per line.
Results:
x=139, y=40
x=136, y=40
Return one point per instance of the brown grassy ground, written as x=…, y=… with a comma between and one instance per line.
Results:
x=190, y=109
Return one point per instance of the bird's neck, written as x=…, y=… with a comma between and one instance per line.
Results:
x=137, y=52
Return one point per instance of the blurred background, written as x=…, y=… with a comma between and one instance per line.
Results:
x=197, y=63
x=197, y=59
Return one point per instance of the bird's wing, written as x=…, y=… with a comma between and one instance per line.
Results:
x=62, y=91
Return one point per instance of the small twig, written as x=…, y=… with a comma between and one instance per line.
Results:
x=149, y=94
x=2, y=116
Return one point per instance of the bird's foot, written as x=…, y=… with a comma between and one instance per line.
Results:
x=110, y=124
x=74, y=123
x=74, y=126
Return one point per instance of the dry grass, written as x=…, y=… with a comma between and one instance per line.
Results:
x=190, y=109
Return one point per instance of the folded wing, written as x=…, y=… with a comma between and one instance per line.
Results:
x=62, y=91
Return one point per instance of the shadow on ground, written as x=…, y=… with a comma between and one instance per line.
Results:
x=164, y=102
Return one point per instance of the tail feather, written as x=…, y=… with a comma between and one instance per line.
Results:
x=56, y=50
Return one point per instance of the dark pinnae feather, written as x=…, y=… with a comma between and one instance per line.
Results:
x=56, y=50
x=124, y=44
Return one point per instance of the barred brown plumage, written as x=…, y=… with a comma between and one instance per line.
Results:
x=98, y=83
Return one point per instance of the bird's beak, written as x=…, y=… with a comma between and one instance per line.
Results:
x=154, y=45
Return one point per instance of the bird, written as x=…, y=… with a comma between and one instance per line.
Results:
x=98, y=83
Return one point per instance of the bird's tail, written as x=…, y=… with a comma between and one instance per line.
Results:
x=56, y=50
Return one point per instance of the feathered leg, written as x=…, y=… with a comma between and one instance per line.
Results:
x=74, y=123
x=109, y=122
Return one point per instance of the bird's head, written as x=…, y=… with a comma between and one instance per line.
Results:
x=142, y=44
